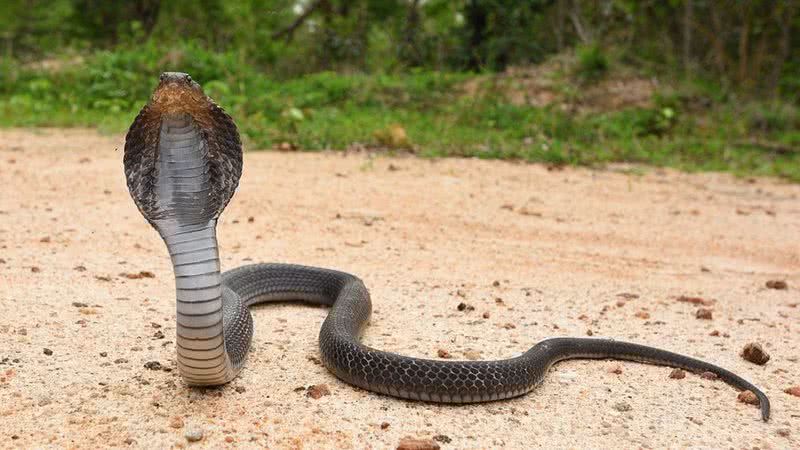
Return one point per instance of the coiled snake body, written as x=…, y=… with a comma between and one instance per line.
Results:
x=183, y=161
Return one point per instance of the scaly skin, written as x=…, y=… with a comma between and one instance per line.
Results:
x=183, y=161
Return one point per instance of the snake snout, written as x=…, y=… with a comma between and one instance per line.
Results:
x=177, y=92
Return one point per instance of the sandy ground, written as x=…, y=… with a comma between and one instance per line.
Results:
x=537, y=253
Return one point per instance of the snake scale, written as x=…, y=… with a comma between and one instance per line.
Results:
x=183, y=160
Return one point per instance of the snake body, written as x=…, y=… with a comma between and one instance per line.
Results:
x=183, y=160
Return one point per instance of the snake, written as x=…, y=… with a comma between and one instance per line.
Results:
x=182, y=164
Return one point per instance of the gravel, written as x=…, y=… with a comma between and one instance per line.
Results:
x=754, y=353
x=193, y=434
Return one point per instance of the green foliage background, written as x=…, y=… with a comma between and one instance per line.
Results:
x=320, y=74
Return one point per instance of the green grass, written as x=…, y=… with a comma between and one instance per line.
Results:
x=332, y=111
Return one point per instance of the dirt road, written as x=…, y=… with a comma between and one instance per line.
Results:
x=87, y=302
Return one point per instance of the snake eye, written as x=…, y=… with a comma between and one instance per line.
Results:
x=188, y=78
x=162, y=77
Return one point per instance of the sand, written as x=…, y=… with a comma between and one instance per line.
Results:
x=536, y=252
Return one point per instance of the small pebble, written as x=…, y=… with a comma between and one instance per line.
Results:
x=777, y=284
x=704, y=314
x=754, y=353
x=748, y=397
x=794, y=390
x=642, y=314
x=240, y=389
x=152, y=365
x=486, y=315
x=695, y=300
x=443, y=438
x=138, y=276
x=176, y=422
x=79, y=304
x=714, y=333
x=193, y=434
x=229, y=439
x=385, y=426
x=622, y=406
x=318, y=391
x=567, y=377
x=677, y=374
x=408, y=443
x=465, y=307
x=615, y=369
x=47, y=351
x=444, y=354
x=120, y=361
x=472, y=355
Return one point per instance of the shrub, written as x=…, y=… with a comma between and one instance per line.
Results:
x=592, y=63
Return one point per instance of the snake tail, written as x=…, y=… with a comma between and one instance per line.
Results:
x=560, y=349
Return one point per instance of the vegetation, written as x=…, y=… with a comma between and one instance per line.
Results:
x=686, y=83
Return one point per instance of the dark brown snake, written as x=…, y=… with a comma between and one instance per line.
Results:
x=183, y=160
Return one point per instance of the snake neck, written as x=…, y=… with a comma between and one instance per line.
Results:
x=200, y=342
x=182, y=187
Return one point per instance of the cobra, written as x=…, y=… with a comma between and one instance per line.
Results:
x=183, y=161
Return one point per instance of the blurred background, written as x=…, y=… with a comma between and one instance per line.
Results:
x=694, y=84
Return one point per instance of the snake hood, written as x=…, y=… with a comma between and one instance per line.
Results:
x=178, y=99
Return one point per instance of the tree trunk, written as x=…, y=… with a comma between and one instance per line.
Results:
x=784, y=19
x=560, y=24
x=411, y=31
x=477, y=20
x=147, y=13
x=583, y=33
x=744, y=47
x=720, y=56
x=688, y=13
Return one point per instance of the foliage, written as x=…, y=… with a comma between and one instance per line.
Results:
x=592, y=63
x=743, y=46
x=425, y=110
x=318, y=74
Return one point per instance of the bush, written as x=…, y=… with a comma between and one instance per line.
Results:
x=592, y=63
x=334, y=110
